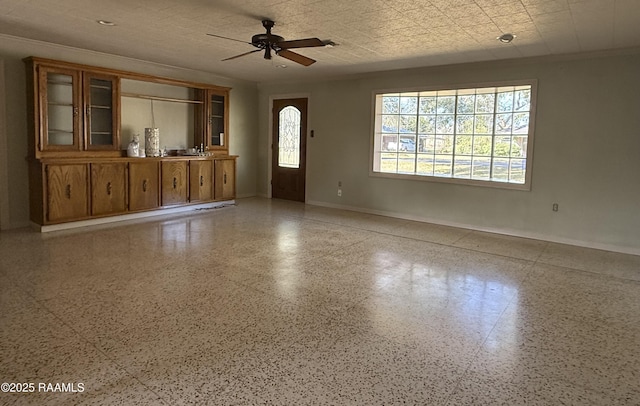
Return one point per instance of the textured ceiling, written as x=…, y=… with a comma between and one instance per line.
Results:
x=373, y=35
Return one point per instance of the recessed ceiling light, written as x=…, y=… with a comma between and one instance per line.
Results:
x=506, y=38
x=107, y=23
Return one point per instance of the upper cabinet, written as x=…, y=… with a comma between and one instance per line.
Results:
x=76, y=110
x=86, y=111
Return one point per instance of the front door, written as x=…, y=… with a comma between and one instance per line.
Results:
x=289, y=149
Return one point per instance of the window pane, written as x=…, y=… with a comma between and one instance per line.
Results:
x=427, y=124
x=444, y=144
x=406, y=163
x=519, y=147
x=388, y=162
x=500, y=170
x=446, y=104
x=482, y=145
x=425, y=165
x=463, y=144
x=502, y=146
x=426, y=144
x=408, y=124
x=505, y=102
x=462, y=167
x=390, y=124
x=485, y=103
x=466, y=104
x=390, y=143
x=521, y=123
x=464, y=124
x=443, y=165
x=407, y=143
x=289, y=137
x=504, y=123
x=390, y=105
x=481, y=168
x=444, y=124
x=522, y=100
x=517, y=170
x=428, y=105
x=484, y=124
x=408, y=105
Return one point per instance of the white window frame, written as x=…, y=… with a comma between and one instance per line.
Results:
x=376, y=137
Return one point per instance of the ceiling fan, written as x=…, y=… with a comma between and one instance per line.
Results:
x=270, y=42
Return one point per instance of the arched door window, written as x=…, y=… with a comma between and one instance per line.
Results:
x=289, y=137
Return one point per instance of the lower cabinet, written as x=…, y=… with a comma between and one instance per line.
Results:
x=67, y=192
x=200, y=181
x=144, y=185
x=225, y=179
x=64, y=190
x=174, y=182
x=108, y=188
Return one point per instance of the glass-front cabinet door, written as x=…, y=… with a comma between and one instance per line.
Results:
x=217, y=126
x=101, y=97
x=60, y=108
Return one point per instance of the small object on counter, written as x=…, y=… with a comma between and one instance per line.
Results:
x=133, y=150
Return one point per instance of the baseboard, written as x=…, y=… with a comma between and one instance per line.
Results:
x=130, y=216
x=509, y=232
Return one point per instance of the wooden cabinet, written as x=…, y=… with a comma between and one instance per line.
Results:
x=108, y=188
x=200, y=180
x=174, y=182
x=78, y=167
x=76, y=110
x=144, y=185
x=225, y=179
x=66, y=192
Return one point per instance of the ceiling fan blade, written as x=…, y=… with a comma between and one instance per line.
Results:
x=301, y=43
x=292, y=56
x=232, y=39
x=246, y=53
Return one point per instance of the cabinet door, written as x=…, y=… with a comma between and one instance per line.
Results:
x=101, y=105
x=200, y=180
x=108, y=188
x=143, y=185
x=225, y=179
x=67, y=187
x=215, y=119
x=59, y=90
x=174, y=182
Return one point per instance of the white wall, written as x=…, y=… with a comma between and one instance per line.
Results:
x=13, y=171
x=586, y=152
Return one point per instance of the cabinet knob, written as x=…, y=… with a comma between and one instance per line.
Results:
x=75, y=111
x=109, y=188
x=175, y=183
x=144, y=185
x=68, y=191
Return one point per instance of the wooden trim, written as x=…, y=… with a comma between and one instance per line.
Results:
x=126, y=74
x=169, y=99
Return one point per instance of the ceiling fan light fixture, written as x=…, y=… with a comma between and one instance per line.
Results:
x=506, y=38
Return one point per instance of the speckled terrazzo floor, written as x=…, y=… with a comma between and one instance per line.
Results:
x=274, y=302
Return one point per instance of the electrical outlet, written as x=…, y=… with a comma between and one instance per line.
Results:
x=555, y=207
x=339, y=192
x=339, y=183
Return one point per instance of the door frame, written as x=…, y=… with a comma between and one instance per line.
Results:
x=4, y=157
x=270, y=140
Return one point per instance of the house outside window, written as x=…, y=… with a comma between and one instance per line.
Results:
x=472, y=135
